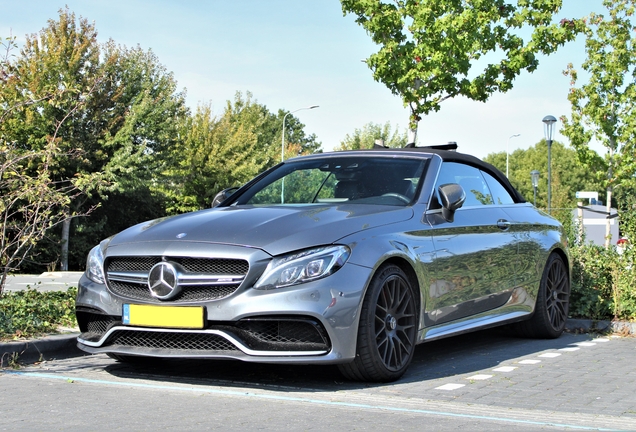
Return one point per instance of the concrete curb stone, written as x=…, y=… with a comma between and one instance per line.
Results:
x=65, y=345
x=44, y=348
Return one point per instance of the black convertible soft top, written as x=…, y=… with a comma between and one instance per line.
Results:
x=453, y=156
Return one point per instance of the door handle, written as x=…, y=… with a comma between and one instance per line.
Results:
x=503, y=224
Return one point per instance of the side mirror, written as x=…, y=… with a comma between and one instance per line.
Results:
x=452, y=197
x=223, y=195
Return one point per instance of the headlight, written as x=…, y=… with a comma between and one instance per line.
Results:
x=95, y=263
x=304, y=266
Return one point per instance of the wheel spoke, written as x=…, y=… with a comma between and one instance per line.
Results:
x=557, y=294
x=395, y=339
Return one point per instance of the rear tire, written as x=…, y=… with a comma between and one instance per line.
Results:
x=551, y=309
x=387, y=331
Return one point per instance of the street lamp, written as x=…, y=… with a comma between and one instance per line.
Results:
x=282, y=146
x=508, y=151
x=534, y=177
x=548, y=130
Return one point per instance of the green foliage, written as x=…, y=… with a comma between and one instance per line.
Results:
x=30, y=312
x=603, y=283
x=604, y=108
x=431, y=50
x=365, y=138
x=217, y=152
x=568, y=174
x=31, y=202
x=112, y=112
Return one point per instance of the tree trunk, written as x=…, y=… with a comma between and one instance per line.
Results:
x=411, y=135
x=66, y=228
x=608, y=232
x=608, y=228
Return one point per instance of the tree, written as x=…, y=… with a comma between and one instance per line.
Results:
x=366, y=137
x=431, y=50
x=603, y=109
x=127, y=110
x=568, y=174
x=217, y=152
x=32, y=203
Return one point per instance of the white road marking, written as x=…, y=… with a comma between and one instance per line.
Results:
x=479, y=377
x=585, y=344
x=505, y=369
x=529, y=361
x=450, y=387
x=550, y=355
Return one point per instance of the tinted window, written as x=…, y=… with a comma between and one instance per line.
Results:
x=499, y=193
x=364, y=180
x=470, y=179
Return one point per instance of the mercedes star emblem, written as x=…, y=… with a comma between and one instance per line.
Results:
x=163, y=281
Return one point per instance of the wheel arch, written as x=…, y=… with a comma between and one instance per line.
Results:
x=408, y=269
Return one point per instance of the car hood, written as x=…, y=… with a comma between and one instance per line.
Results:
x=275, y=230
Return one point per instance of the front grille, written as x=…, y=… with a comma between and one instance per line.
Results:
x=169, y=341
x=132, y=263
x=236, y=267
x=214, y=266
x=187, y=294
x=202, y=267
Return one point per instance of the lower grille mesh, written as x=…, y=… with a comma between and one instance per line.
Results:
x=169, y=340
x=283, y=331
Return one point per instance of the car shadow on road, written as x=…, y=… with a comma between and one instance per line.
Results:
x=444, y=358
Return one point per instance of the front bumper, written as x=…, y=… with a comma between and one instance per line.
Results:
x=316, y=322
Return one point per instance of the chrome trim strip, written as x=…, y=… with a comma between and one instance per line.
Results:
x=136, y=277
x=203, y=279
x=224, y=335
x=470, y=324
x=191, y=279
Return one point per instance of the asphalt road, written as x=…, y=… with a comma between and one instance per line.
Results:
x=52, y=281
x=482, y=381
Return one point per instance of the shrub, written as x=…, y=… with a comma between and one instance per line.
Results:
x=31, y=312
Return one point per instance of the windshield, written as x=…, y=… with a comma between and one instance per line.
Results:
x=364, y=180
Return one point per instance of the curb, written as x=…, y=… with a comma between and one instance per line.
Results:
x=46, y=348
x=65, y=345
x=623, y=328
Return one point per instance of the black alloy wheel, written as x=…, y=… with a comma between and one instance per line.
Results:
x=388, y=329
x=551, y=309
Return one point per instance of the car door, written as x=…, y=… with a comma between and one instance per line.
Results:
x=473, y=268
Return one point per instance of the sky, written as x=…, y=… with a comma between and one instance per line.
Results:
x=292, y=54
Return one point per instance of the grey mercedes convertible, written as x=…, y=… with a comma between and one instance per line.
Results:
x=349, y=258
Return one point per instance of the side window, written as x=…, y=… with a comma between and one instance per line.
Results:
x=469, y=178
x=499, y=193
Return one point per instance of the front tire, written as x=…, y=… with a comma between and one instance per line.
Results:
x=387, y=330
x=551, y=309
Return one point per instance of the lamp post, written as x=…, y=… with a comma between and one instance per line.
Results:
x=548, y=130
x=534, y=177
x=508, y=151
x=282, y=146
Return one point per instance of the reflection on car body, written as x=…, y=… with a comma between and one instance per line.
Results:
x=348, y=258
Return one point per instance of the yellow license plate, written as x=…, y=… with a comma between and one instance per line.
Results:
x=191, y=317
